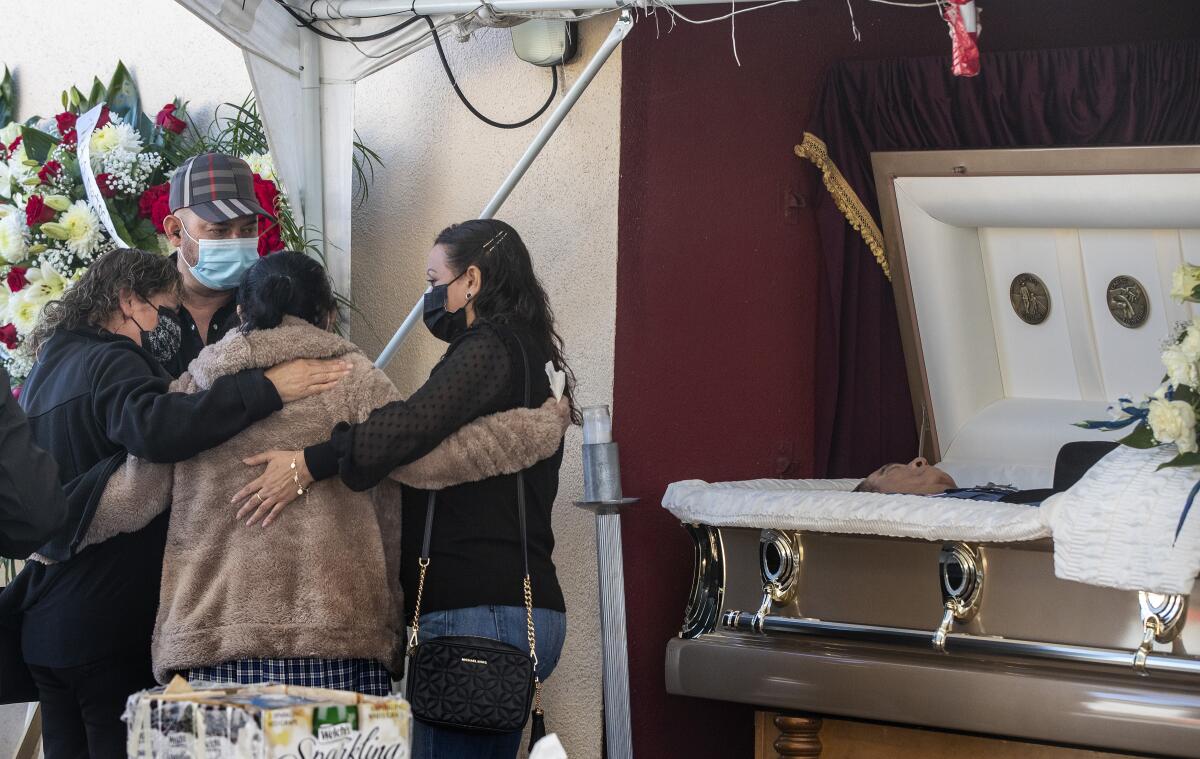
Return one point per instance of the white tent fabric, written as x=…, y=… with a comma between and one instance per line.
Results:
x=299, y=78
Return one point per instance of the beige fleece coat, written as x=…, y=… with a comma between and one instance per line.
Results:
x=323, y=580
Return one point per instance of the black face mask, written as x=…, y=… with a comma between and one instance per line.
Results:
x=443, y=324
x=163, y=341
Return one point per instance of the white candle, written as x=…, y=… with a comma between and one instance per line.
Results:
x=597, y=425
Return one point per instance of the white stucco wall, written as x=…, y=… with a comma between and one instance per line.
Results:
x=441, y=166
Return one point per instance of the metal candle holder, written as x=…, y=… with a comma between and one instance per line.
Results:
x=602, y=496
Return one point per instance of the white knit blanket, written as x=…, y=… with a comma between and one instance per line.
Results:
x=826, y=506
x=1116, y=526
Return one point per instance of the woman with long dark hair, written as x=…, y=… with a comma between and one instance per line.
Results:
x=97, y=392
x=488, y=304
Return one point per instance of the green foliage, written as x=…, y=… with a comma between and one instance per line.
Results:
x=96, y=96
x=37, y=143
x=237, y=130
x=121, y=95
x=8, y=98
x=1186, y=394
x=365, y=161
x=1183, y=459
x=1141, y=437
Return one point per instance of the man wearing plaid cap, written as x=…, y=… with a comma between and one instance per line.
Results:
x=214, y=228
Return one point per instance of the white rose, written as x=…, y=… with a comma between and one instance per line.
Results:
x=1181, y=369
x=1184, y=282
x=1174, y=422
x=1189, y=343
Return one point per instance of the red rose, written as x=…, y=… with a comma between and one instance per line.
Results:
x=104, y=118
x=8, y=336
x=16, y=279
x=269, y=238
x=66, y=127
x=37, y=212
x=167, y=120
x=49, y=171
x=155, y=205
x=15, y=144
x=66, y=121
x=105, y=188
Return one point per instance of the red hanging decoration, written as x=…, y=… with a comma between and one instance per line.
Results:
x=963, y=19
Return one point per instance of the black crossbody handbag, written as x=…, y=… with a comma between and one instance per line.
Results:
x=474, y=683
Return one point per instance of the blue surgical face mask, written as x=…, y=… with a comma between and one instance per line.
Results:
x=222, y=263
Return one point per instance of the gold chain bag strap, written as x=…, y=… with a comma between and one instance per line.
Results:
x=469, y=682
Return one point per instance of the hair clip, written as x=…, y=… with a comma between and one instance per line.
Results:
x=498, y=238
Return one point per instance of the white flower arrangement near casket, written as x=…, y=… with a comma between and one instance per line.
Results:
x=1168, y=416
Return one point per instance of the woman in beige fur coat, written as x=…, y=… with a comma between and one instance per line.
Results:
x=317, y=603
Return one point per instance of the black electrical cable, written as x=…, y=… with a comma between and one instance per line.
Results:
x=308, y=24
x=437, y=42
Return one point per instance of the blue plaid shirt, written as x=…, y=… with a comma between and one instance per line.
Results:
x=362, y=675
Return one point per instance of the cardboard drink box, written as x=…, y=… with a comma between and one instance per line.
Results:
x=266, y=722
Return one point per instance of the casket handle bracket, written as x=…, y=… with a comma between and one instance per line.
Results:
x=1162, y=619
x=779, y=556
x=960, y=576
x=708, y=581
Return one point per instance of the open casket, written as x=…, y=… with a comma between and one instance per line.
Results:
x=961, y=624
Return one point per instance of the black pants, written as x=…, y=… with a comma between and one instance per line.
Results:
x=82, y=706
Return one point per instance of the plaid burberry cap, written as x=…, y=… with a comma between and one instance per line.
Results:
x=216, y=187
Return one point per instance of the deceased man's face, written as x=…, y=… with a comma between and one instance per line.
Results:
x=917, y=477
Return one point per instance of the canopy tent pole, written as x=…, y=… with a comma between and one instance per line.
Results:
x=619, y=31
x=346, y=9
x=311, y=199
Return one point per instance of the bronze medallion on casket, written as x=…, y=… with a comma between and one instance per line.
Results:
x=1030, y=298
x=1128, y=302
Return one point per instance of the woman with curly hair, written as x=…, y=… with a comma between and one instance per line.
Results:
x=96, y=393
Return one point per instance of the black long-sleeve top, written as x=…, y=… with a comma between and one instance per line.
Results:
x=32, y=503
x=476, y=543
x=91, y=398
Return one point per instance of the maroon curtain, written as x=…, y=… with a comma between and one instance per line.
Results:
x=1120, y=95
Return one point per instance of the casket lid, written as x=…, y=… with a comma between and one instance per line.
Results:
x=994, y=395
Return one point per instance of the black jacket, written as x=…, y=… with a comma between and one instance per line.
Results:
x=32, y=505
x=92, y=397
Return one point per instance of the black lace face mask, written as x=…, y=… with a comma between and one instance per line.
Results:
x=163, y=341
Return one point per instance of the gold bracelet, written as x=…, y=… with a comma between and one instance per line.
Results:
x=300, y=489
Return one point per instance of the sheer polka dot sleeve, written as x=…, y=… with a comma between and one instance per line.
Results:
x=473, y=379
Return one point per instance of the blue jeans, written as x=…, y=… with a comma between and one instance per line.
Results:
x=504, y=623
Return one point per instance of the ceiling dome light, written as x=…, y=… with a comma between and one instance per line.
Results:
x=545, y=41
